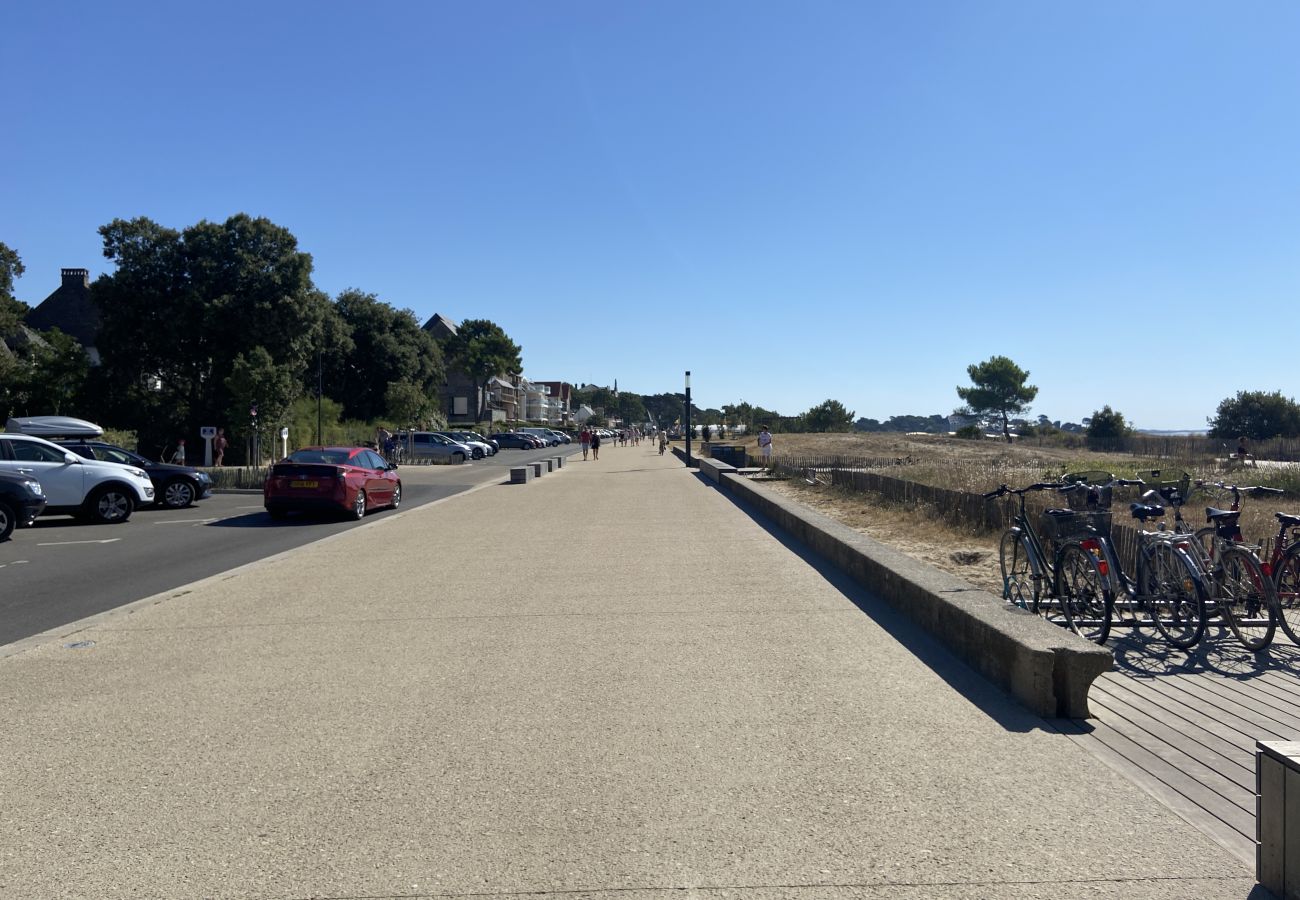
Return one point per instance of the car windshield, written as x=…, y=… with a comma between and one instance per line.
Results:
x=112, y=454
x=329, y=457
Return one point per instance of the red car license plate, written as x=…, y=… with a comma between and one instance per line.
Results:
x=304, y=484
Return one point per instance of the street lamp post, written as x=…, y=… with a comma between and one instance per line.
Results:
x=320, y=389
x=688, y=418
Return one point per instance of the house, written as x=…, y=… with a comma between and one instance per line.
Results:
x=70, y=310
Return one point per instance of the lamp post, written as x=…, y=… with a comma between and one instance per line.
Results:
x=688, y=418
x=320, y=389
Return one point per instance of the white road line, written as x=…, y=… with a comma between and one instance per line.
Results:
x=66, y=543
x=16, y=562
x=184, y=521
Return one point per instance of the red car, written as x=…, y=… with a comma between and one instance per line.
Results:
x=351, y=480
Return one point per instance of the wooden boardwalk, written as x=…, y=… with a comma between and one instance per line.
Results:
x=1183, y=726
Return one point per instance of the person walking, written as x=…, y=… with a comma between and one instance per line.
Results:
x=178, y=457
x=595, y=445
x=765, y=446
x=663, y=441
x=219, y=445
x=585, y=440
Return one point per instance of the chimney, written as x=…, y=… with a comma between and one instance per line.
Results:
x=76, y=278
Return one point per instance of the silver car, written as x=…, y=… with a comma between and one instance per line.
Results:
x=429, y=445
x=478, y=447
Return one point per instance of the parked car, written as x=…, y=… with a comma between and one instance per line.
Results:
x=431, y=445
x=478, y=449
x=565, y=437
x=21, y=500
x=545, y=435
x=92, y=489
x=174, y=486
x=351, y=480
x=487, y=440
x=516, y=440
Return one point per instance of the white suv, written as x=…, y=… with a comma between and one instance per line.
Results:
x=92, y=489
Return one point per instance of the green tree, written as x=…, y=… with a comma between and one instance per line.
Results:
x=386, y=346
x=256, y=381
x=56, y=373
x=11, y=309
x=1257, y=415
x=998, y=390
x=1107, y=427
x=181, y=307
x=830, y=415
x=408, y=404
x=481, y=349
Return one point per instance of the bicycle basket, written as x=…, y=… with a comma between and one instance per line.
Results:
x=1089, y=498
x=1062, y=525
x=1173, y=492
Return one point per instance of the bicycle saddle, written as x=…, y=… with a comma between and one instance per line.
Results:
x=1214, y=515
x=1058, y=512
x=1145, y=511
x=1287, y=520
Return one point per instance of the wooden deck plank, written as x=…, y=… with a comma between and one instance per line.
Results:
x=1228, y=718
x=1222, y=776
x=1247, y=696
x=1232, y=762
x=1189, y=722
x=1111, y=749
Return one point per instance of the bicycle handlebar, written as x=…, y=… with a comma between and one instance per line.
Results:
x=1003, y=489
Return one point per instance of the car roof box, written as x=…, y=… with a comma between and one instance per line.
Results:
x=54, y=427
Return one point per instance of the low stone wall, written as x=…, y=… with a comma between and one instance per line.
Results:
x=1045, y=667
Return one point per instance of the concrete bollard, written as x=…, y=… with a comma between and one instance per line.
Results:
x=559, y=462
x=537, y=469
x=550, y=465
x=521, y=474
x=1277, y=817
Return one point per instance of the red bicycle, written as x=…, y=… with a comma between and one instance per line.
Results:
x=1284, y=564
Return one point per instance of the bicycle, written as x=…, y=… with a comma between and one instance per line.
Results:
x=1284, y=566
x=1243, y=591
x=1041, y=582
x=1167, y=584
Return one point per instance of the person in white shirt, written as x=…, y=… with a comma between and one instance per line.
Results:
x=765, y=446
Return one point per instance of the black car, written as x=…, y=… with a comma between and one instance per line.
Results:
x=174, y=486
x=21, y=501
x=515, y=440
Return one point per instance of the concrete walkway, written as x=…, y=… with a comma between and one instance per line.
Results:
x=611, y=682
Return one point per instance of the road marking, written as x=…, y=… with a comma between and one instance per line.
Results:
x=184, y=521
x=66, y=543
x=16, y=562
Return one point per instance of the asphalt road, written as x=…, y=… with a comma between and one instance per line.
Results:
x=61, y=570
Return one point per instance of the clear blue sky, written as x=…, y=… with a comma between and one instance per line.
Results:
x=795, y=201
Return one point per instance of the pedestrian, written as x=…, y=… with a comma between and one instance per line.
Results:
x=765, y=446
x=663, y=441
x=219, y=445
x=178, y=457
x=595, y=445
x=585, y=439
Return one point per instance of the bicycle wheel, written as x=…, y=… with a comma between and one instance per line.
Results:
x=1174, y=596
x=1019, y=586
x=1247, y=598
x=1286, y=579
x=1086, y=603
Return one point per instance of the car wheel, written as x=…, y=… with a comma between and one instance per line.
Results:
x=478, y=454
x=109, y=505
x=358, y=506
x=276, y=513
x=177, y=494
x=8, y=519
x=397, y=496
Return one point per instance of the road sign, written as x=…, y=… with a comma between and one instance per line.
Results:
x=208, y=431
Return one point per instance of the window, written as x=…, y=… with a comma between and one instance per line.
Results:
x=26, y=451
x=112, y=454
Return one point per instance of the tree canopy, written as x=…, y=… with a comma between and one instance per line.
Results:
x=830, y=415
x=481, y=349
x=998, y=390
x=1106, y=426
x=1257, y=415
x=182, y=307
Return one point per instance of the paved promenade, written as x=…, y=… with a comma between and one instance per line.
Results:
x=609, y=683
